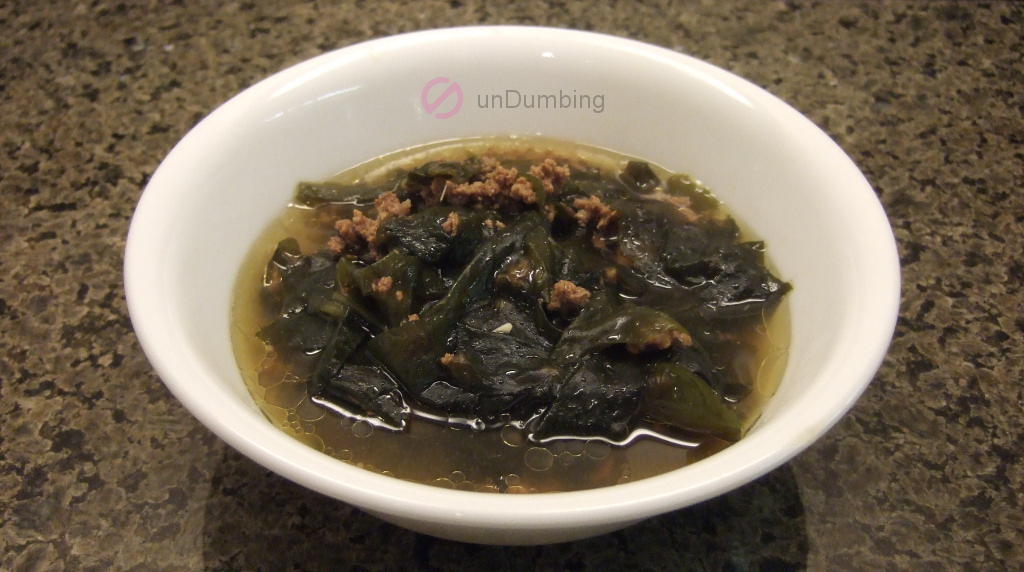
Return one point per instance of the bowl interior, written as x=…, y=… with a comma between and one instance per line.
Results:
x=233, y=174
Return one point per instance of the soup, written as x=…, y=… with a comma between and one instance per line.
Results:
x=510, y=316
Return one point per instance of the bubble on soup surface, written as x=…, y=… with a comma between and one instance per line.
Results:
x=443, y=483
x=307, y=410
x=512, y=436
x=270, y=373
x=286, y=394
x=538, y=459
x=597, y=449
x=362, y=429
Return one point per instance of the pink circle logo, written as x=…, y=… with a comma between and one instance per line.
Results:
x=433, y=101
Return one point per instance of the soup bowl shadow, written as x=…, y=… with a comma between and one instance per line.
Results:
x=224, y=183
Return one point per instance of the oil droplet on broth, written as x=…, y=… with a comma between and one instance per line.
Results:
x=597, y=450
x=362, y=429
x=309, y=411
x=513, y=436
x=286, y=395
x=443, y=483
x=538, y=459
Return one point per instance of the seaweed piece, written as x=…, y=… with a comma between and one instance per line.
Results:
x=392, y=283
x=310, y=194
x=738, y=285
x=512, y=319
x=286, y=260
x=640, y=177
x=602, y=325
x=456, y=171
x=366, y=391
x=644, y=228
x=302, y=282
x=443, y=396
x=422, y=234
x=358, y=194
x=419, y=234
x=700, y=197
x=505, y=371
x=412, y=350
x=676, y=396
x=348, y=295
x=697, y=359
x=531, y=274
x=596, y=400
x=302, y=331
x=687, y=250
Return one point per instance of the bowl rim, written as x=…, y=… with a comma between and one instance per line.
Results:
x=631, y=501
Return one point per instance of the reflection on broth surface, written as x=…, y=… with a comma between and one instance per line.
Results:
x=516, y=315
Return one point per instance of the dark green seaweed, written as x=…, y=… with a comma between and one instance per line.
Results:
x=458, y=322
x=678, y=397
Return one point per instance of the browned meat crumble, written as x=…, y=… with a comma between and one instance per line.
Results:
x=451, y=224
x=361, y=230
x=567, y=297
x=591, y=211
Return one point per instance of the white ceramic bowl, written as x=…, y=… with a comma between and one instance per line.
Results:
x=233, y=174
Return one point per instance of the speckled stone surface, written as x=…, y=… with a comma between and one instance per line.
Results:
x=101, y=469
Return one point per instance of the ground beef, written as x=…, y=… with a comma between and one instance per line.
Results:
x=347, y=239
x=361, y=231
x=365, y=226
x=591, y=211
x=451, y=224
x=388, y=204
x=500, y=188
x=567, y=297
x=551, y=174
x=383, y=284
x=495, y=187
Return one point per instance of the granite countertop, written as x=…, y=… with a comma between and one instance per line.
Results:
x=100, y=468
